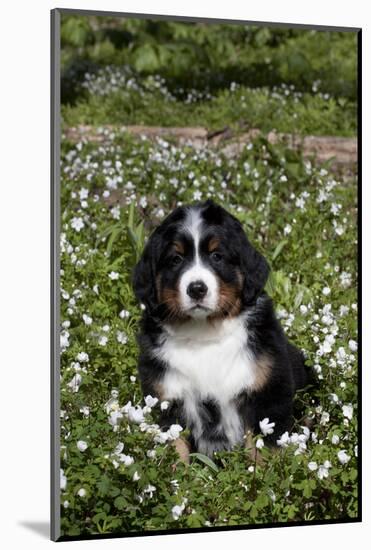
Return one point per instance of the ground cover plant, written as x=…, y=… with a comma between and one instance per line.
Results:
x=125, y=71
x=119, y=473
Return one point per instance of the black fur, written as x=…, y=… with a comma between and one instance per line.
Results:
x=264, y=334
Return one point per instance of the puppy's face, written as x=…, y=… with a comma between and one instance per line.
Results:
x=200, y=264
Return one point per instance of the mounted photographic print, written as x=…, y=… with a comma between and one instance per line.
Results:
x=204, y=275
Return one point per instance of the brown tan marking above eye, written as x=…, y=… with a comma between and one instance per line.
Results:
x=179, y=247
x=213, y=244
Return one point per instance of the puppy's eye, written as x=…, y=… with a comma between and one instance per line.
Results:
x=216, y=257
x=176, y=260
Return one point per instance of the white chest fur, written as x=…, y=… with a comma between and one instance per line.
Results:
x=212, y=360
x=208, y=362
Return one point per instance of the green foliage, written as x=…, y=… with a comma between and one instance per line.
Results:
x=303, y=219
x=197, y=62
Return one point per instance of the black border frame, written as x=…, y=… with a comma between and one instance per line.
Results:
x=55, y=142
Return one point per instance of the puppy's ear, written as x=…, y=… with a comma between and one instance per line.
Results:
x=144, y=283
x=254, y=267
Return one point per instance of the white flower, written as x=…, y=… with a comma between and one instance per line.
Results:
x=300, y=203
x=284, y=440
x=345, y=279
x=119, y=448
x=287, y=229
x=113, y=275
x=63, y=480
x=149, y=490
x=174, y=431
x=178, y=510
x=124, y=314
x=303, y=309
x=102, y=340
x=121, y=337
x=164, y=405
x=64, y=339
x=75, y=383
x=133, y=378
x=81, y=492
x=348, y=411
x=306, y=433
x=83, y=357
x=82, y=446
x=197, y=195
x=115, y=212
x=343, y=457
x=335, y=439
x=127, y=460
x=77, y=224
x=125, y=409
x=136, y=476
x=343, y=310
x=323, y=471
x=259, y=443
x=112, y=404
x=326, y=291
x=96, y=289
x=66, y=504
x=353, y=346
x=87, y=320
x=324, y=418
x=151, y=453
x=266, y=427
x=150, y=401
x=115, y=417
x=136, y=415
x=85, y=410
x=250, y=469
x=84, y=193
x=161, y=437
x=143, y=202
x=312, y=466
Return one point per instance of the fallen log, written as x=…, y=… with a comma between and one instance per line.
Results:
x=341, y=151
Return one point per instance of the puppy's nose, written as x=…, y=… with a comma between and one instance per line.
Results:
x=197, y=290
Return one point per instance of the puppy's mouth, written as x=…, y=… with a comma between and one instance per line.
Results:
x=199, y=311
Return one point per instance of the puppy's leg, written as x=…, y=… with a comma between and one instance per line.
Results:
x=183, y=449
x=173, y=415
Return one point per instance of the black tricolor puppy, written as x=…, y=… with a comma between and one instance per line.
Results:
x=210, y=343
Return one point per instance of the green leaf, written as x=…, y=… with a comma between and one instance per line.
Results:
x=206, y=460
x=278, y=249
x=270, y=284
x=298, y=299
x=120, y=503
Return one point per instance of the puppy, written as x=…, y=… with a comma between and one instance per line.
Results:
x=210, y=343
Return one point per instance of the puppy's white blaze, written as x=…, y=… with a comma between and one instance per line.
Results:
x=197, y=272
x=208, y=362
x=192, y=225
